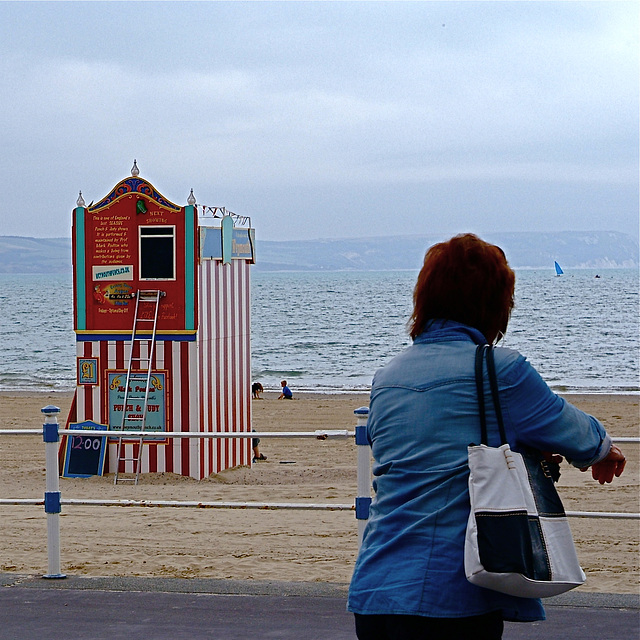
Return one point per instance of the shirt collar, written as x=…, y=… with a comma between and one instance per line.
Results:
x=439, y=330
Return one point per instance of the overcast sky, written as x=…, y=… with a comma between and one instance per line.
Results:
x=326, y=119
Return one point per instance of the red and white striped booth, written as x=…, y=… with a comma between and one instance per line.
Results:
x=135, y=239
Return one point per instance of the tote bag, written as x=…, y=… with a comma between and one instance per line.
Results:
x=518, y=539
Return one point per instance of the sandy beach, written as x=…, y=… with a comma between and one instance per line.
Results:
x=268, y=544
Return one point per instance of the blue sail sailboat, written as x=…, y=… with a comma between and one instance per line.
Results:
x=559, y=270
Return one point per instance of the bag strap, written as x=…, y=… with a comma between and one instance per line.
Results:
x=493, y=383
x=480, y=349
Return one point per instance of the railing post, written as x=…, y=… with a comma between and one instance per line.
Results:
x=363, y=498
x=52, y=501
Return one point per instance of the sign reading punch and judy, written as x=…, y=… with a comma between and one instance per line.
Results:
x=155, y=419
x=134, y=242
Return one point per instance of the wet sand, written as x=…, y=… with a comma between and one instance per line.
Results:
x=289, y=545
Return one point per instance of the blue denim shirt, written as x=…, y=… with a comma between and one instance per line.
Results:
x=422, y=416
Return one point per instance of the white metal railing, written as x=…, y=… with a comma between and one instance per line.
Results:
x=53, y=499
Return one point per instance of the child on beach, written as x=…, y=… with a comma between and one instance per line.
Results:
x=286, y=392
x=256, y=390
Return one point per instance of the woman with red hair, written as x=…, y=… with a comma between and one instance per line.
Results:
x=409, y=580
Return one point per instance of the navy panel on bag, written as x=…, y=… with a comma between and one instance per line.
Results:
x=504, y=542
x=512, y=543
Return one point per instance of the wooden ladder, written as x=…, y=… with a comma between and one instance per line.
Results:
x=138, y=382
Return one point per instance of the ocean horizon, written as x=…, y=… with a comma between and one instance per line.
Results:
x=329, y=331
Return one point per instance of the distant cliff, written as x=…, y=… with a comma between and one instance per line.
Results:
x=572, y=249
x=34, y=255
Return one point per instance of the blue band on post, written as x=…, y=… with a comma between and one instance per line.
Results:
x=362, y=508
x=52, y=502
x=50, y=432
x=50, y=409
x=361, y=435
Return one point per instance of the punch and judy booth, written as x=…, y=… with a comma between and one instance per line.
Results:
x=161, y=313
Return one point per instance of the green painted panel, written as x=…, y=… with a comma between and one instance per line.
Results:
x=190, y=268
x=80, y=266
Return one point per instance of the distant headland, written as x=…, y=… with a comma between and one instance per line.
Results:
x=572, y=249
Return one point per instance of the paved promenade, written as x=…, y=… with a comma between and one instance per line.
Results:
x=79, y=608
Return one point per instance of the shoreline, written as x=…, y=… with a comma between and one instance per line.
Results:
x=337, y=392
x=250, y=544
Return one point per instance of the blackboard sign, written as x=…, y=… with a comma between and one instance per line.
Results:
x=84, y=455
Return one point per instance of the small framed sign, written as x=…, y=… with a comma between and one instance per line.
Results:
x=84, y=454
x=88, y=371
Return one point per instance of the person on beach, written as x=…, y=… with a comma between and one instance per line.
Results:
x=256, y=390
x=286, y=392
x=255, y=445
x=409, y=580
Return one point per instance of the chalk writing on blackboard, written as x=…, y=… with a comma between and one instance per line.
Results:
x=84, y=455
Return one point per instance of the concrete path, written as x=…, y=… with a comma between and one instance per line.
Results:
x=79, y=608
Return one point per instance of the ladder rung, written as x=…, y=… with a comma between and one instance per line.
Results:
x=141, y=359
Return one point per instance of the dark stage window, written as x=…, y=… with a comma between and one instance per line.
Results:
x=157, y=253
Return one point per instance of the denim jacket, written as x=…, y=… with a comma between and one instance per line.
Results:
x=423, y=414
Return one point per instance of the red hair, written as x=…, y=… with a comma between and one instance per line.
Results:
x=467, y=280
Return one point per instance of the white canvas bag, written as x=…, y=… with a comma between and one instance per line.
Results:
x=518, y=539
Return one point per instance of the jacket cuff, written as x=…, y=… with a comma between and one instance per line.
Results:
x=603, y=452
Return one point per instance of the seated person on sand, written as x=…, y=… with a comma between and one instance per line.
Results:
x=256, y=390
x=286, y=392
x=257, y=456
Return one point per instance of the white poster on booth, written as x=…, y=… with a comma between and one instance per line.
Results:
x=113, y=272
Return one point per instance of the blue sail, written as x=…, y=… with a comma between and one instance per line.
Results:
x=559, y=270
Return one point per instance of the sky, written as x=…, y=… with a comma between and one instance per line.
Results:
x=326, y=119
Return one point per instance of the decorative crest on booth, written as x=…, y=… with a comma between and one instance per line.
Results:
x=134, y=184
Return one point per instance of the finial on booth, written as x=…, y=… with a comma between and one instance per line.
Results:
x=80, y=201
x=134, y=170
x=191, y=199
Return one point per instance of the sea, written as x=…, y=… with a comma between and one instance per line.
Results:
x=330, y=331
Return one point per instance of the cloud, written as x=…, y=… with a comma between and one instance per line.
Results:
x=253, y=101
